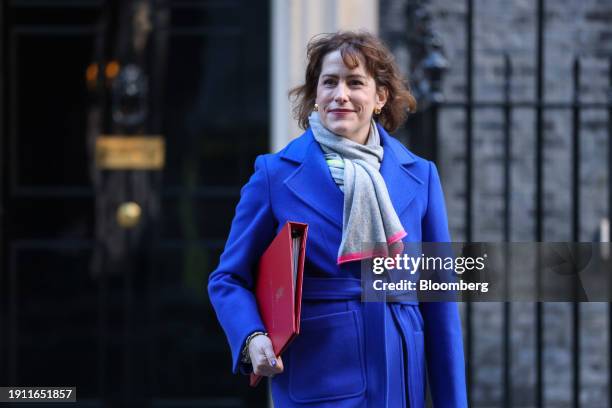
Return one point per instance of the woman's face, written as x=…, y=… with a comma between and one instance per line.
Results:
x=347, y=97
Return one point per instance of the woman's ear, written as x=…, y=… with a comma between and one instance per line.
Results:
x=381, y=96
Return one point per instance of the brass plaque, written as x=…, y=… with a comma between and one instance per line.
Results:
x=118, y=152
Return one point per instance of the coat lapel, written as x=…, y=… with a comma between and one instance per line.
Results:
x=402, y=183
x=312, y=182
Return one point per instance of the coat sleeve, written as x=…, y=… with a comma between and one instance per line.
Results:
x=230, y=286
x=443, y=338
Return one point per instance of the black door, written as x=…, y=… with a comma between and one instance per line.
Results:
x=122, y=313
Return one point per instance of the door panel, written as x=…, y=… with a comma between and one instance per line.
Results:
x=47, y=62
x=54, y=325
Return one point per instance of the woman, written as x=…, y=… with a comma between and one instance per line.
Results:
x=352, y=183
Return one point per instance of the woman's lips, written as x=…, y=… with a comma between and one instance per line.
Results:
x=341, y=112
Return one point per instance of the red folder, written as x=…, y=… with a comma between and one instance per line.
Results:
x=279, y=287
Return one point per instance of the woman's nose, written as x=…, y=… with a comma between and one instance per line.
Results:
x=341, y=94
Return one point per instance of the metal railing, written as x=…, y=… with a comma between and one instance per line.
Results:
x=539, y=106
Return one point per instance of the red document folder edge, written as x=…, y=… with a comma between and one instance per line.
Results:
x=278, y=290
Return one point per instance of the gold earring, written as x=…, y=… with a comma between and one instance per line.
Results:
x=316, y=107
x=377, y=110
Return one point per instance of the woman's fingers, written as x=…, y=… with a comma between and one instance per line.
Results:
x=275, y=363
x=262, y=367
x=269, y=353
x=262, y=357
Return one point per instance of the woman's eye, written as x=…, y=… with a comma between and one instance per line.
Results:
x=356, y=83
x=329, y=82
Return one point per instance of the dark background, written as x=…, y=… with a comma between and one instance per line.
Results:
x=134, y=328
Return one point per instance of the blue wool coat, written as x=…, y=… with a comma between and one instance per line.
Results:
x=349, y=354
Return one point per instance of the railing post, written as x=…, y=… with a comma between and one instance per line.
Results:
x=468, y=175
x=576, y=233
x=610, y=224
x=539, y=199
x=506, y=338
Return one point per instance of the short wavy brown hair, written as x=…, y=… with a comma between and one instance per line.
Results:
x=379, y=63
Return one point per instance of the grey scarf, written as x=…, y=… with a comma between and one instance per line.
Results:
x=369, y=216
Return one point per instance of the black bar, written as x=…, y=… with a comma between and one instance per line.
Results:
x=12, y=75
x=155, y=307
x=434, y=131
x=205, y=192
x=469, y=120
x=610, y=224
x=61, y=192
x=545, y=105
x=56, y=4
x=539, y=213
x=507, y=145
x=507, y=381
x=51, y=30
x=217, y=244
x=3, y=295
x=127, y=328
x=576, y=232
x=176, y=4
x=159, y=69
x=469, y=71
x=203, y=31
x=13, y=335
x=103, y=321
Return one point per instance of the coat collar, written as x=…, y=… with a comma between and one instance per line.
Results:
x=312, y=183
x=297, y=150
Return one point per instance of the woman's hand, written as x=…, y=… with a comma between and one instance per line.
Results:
x=262, y=357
